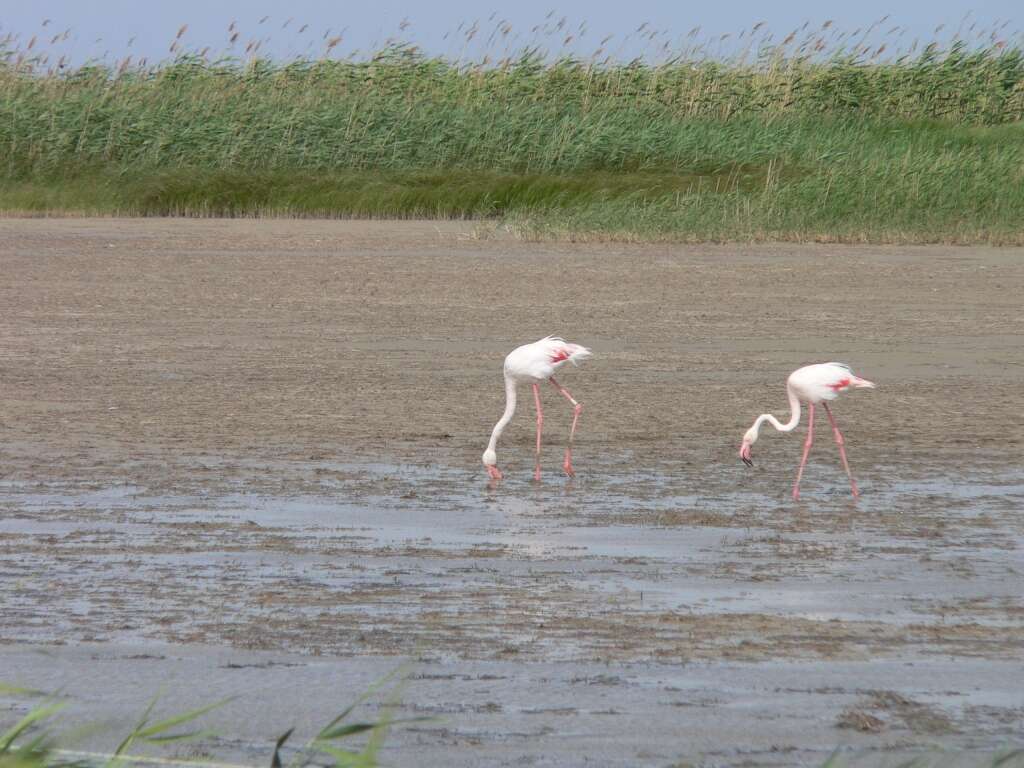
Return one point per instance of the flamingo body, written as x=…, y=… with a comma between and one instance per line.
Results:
x=533, y=364
x=542, y=359
x=812, y=385
x=823, y=381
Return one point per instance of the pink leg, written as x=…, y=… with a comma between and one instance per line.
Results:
x=842, y=450
x=577, y=408
x=807, y=450
x=540, y=425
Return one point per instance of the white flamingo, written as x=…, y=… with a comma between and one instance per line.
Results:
x=811, y=384
x=534, y=363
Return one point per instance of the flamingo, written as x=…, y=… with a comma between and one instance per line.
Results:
x=534, y=363
x=812, y=384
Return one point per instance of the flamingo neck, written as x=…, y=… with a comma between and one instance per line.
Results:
x=789, y=426
x=510, y=408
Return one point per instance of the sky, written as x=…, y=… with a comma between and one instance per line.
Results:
x=112, y=29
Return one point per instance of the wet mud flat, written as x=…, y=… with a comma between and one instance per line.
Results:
x=243, y=457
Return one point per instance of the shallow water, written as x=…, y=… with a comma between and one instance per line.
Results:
x=409, y=538
x=589, y=616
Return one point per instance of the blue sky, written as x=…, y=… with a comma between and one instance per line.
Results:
x=112, y=29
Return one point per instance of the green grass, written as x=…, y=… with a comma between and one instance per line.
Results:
x=31, y=742
x=792, y=147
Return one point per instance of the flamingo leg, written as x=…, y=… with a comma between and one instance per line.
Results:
x=540, y=426
x=807, y=450
x=842, y=450
x=577, y=408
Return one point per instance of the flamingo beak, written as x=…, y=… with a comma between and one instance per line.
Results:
x=494, y=472
x=745, y=454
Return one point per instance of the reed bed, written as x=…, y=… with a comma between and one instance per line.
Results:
x=794, y=140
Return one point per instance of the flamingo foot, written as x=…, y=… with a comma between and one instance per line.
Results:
x=796, y=494
x=536, y=474
x=494, y=472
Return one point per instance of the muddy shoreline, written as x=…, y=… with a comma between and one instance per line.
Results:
x=236, y=437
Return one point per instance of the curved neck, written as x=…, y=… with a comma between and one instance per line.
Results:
x=510, y=408
x=794, y=416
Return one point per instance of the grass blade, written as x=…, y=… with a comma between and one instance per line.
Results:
x=275, y=761
x=154, y=730
x=38, y=714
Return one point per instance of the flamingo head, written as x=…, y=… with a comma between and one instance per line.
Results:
x=748, y=440
x=490, y=460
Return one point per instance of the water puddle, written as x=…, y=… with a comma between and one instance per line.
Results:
x=394, y=548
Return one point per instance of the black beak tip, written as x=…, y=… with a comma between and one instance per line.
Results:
x=748, y=462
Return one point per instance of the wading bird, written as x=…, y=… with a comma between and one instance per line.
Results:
x=811, y=384
x=532, y=364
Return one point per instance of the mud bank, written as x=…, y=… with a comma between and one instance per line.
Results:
x=244, y=457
